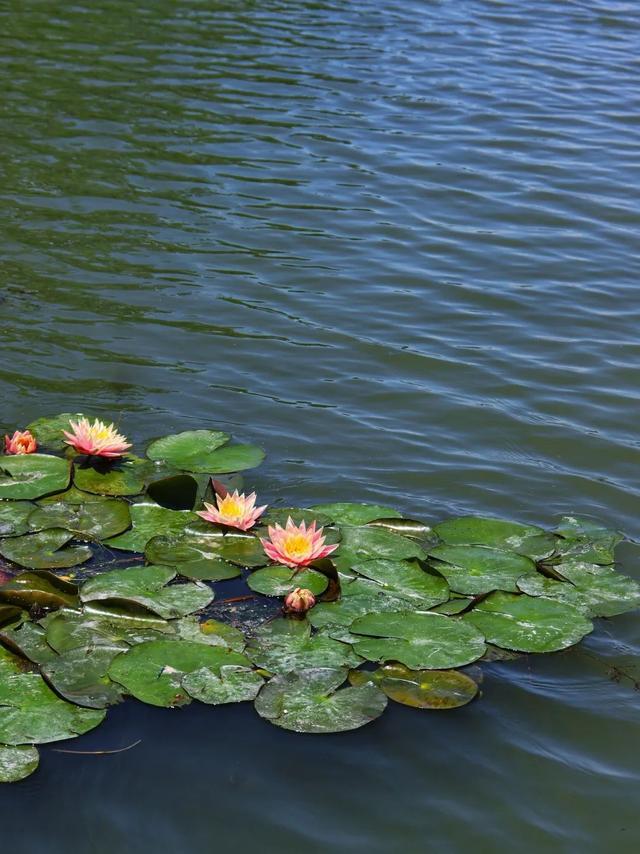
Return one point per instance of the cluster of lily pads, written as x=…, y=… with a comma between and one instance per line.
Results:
x=115, y=572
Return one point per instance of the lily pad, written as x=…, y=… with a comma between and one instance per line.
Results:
x=11, y=616
x=48, y=430
x=179, y=491
x=16, y=763
x=606, y=591
x=95, y=520
x=195, y=553
x=149, y=520
x=406, y=527
x=43, y=589
x=527, y=624
x=454, y=606
x=153, y=672
x=281, y=580
x=354, y=514
x=79, y=675
x=405, y=580
x=526, y=540
x=44, y=550
x=67, y=630
x=213, y=632
x=349, y=607
x=28, y=640
x=287, y=644
x=32, y=475
x=421, y=689
x=479, y=569
x=421, y=641
x=187, y=449
x=13, y=517
x=312, y=701
x=146, y=587
x=233, y=685
x=360, y=544
x=126, y=476
x=30, y=712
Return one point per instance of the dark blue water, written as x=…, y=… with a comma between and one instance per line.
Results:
x=396, y=244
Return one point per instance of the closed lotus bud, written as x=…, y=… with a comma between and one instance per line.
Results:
x=22, y=442
x=299, y=601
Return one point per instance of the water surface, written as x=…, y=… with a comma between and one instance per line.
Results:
x=396, y=245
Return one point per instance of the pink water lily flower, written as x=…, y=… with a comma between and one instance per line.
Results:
x=22, y=442
x=233, y=510
x=97, y=439
x=296, y=546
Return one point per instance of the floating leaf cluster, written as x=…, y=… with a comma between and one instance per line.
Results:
x=111, y=580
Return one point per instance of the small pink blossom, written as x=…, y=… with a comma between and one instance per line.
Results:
x=22, y=442
x=296, y=546
x=97, y=439
x=233, y=510
x=299, y=601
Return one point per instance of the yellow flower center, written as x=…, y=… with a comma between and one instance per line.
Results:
x=231, y=508
x=297, y=546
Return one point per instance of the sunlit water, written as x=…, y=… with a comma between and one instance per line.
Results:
x=395, y=243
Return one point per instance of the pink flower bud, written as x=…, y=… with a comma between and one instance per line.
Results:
x=20, y=443
x=299, y=601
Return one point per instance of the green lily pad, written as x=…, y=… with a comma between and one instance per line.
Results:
x=153, y=672
x=48, y=430
x=16, y=763
x=11, y=616
x=421, y=689
x=528, y=540
x=125, y=476
x=287, y=644
x=146, y=586
x=67, y=630
x=28, y=640
x=13, y=517
x=73, y=495
x=355, y=514
x=188, y=450
x=454, y=606
x=179, y=491
x=606, y=591
x=280, y=516
x=79, y=675
x=360, y=544
x=32, y=475
x=479, y=569
x=406, y=527
x=281, y=580
x=528, y=624
x=343, y=612
x=405, y=580
x=95, y=520
x=312, y=701
x=198, y=553
x=44, y=550
x=421, y=641
x=561, y=591
x=43, y=589
x=210, y=631
x=149, y=520
x=233, y=685
x=30, y=712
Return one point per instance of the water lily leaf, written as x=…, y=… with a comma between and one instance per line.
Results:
x=179, y=491
x=194, y=553
x=309, y=701
x=281, y=580
x=528, y=540
x=528, y=624
x=210, y=631
x=407, y=527
x=67, y=630
x=149, y=520
x=421, y=689
x=28, y=640
x=13, y=517
x=153, y=671
x=421, y=641
x=233, y=685
x=39, y=588
x=538, y=585
x=232, y=458
x=125, y=476
x=30, y=712
x=188, y=450
x=360, y=544
x=286, y=644
x=48, y=430
x=355, y=514
x=365, y=600
x=405, y=580
x=606, y=592
x=574, y=528
x=145, y=586
x=16, y=763
x=32, y=475
x=478, y=569
x=44, y=550
x=95, y=520
x=79, y=675
x=454, y=606
x=11, y=616
x=73, y=495
x=280, y=515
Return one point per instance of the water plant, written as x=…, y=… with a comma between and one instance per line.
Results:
x=114, y=570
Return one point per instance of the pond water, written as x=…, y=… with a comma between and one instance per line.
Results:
x=396, y=245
